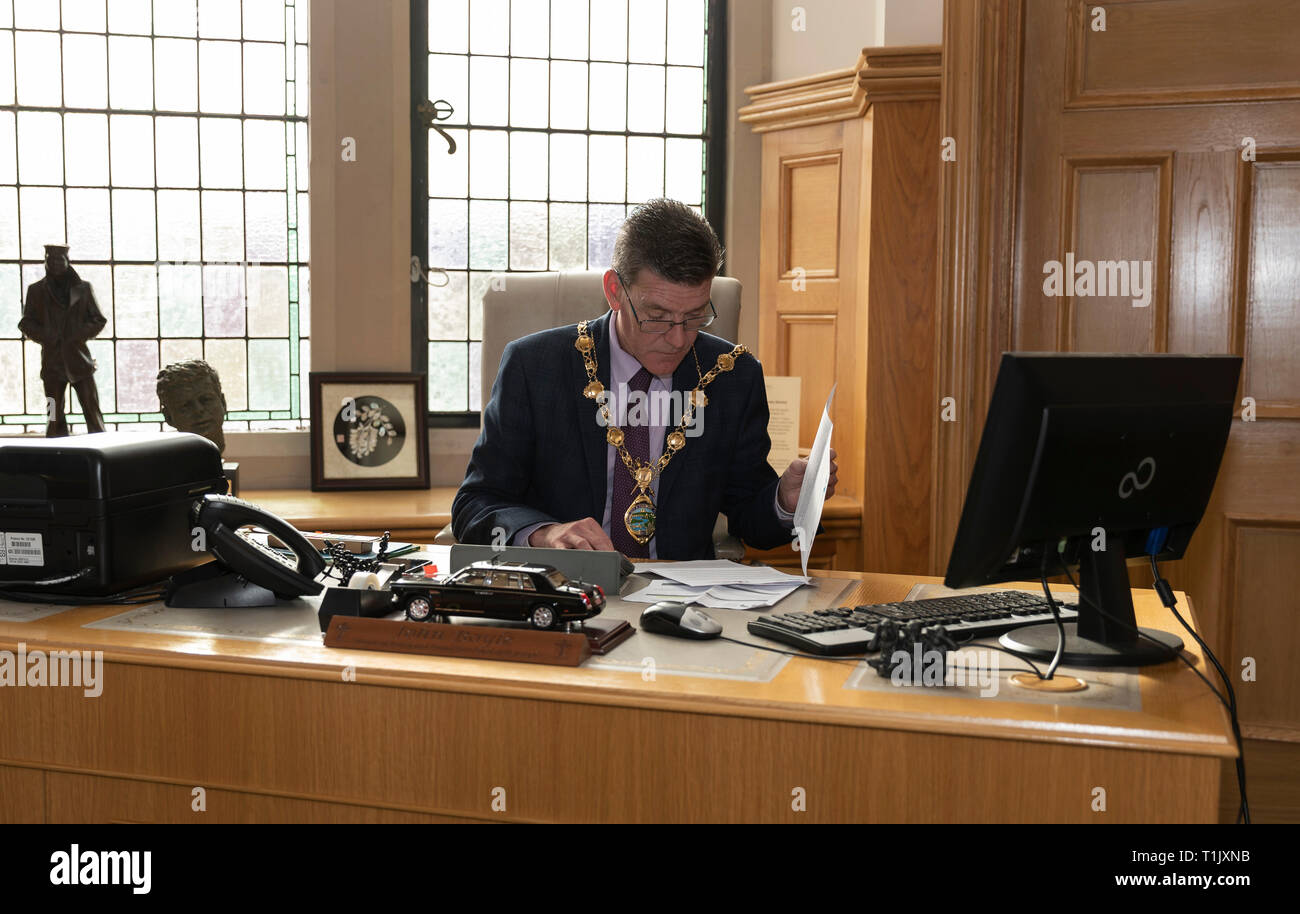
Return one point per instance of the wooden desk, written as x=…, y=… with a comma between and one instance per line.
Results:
x=276, y=732
x=416, y=516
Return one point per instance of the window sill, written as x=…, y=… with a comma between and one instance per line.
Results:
x=275, y=459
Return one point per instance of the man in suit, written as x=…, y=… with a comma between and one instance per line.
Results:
x=551, y=468
x=61, y=314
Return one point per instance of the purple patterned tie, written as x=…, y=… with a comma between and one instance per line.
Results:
x=636, y=438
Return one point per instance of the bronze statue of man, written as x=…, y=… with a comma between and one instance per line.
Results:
x=192, y=401
x=60, y=314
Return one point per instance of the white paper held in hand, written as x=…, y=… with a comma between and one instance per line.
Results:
x=812, y=494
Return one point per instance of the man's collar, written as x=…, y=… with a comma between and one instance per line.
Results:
x=622, y=363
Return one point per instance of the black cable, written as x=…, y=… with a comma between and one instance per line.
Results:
x=145, y=593
x=1175, y=655
x=997, y=647
x=1171, y=603
x=48, y=582
x=118, y=599
x=1167, y=597
x=1056, y=615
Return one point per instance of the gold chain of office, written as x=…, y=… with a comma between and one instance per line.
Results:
x=640, y=515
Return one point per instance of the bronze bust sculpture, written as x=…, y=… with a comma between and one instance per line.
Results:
x=60, y=314
x=192, y=401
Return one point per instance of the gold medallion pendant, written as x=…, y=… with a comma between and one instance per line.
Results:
x=640, y=518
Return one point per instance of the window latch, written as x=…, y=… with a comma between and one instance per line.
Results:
x=418, y=272
x=430, y=113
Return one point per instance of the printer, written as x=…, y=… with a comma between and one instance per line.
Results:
x=111, y=511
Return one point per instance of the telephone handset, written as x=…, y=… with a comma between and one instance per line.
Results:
x=246, y=572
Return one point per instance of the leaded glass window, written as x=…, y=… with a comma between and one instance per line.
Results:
x=166, y=143
x=566, y=113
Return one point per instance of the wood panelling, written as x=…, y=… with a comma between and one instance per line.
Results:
x=1161, y=52
x=22, y=795
x=1116, y=234
x=1265, y=329
x=810, y=224
x=1202, y=248
x=901, y=305
x=1232, y=230
x=650, y=765
x=807, y=351
x=1262, y=559
x=805, y=101
x=1271, y=783
x=881, y=74
x=848, y=289
x=900, y=74
x=979, y=202
x=837, y=546
x=821, y=299
x=1256, y=484
x=1018, y=115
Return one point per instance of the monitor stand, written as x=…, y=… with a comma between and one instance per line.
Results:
x=1094, y=640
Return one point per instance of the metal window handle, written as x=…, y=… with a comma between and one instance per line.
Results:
x=418, y=272
x=431, y=112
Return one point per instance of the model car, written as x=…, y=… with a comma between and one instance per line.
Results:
x=512, y=591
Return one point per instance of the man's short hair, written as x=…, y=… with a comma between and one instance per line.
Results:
x=671, y=239
x=190, y=371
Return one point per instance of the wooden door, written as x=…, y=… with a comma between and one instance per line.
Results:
x=1172, y=139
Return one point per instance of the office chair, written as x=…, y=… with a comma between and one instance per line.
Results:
x=529, y=302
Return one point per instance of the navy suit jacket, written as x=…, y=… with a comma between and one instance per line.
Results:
x=541, y=456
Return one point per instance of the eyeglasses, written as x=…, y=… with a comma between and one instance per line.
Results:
x=691, y=324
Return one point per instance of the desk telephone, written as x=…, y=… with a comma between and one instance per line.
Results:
x=245, y=572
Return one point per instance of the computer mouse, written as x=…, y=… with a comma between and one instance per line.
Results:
x=679, y=621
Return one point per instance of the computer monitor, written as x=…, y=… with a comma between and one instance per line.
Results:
x=1093, y=460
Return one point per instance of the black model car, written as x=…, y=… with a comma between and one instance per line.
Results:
x=499, y=590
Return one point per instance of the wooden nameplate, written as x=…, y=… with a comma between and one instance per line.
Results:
x=479, y=642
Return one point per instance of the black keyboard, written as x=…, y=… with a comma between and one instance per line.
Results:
x=852, y=630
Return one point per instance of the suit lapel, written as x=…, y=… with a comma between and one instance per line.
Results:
x=591, y=432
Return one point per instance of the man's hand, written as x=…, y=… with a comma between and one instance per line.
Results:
x=580, y=534
x=787, y=490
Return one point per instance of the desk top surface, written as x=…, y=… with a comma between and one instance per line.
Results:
x=1177, y=712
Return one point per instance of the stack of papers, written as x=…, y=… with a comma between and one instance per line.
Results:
x=716, y=584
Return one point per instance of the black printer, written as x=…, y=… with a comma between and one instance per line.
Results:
x=111, y=510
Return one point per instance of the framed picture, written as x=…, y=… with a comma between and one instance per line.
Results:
x=368, y=431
